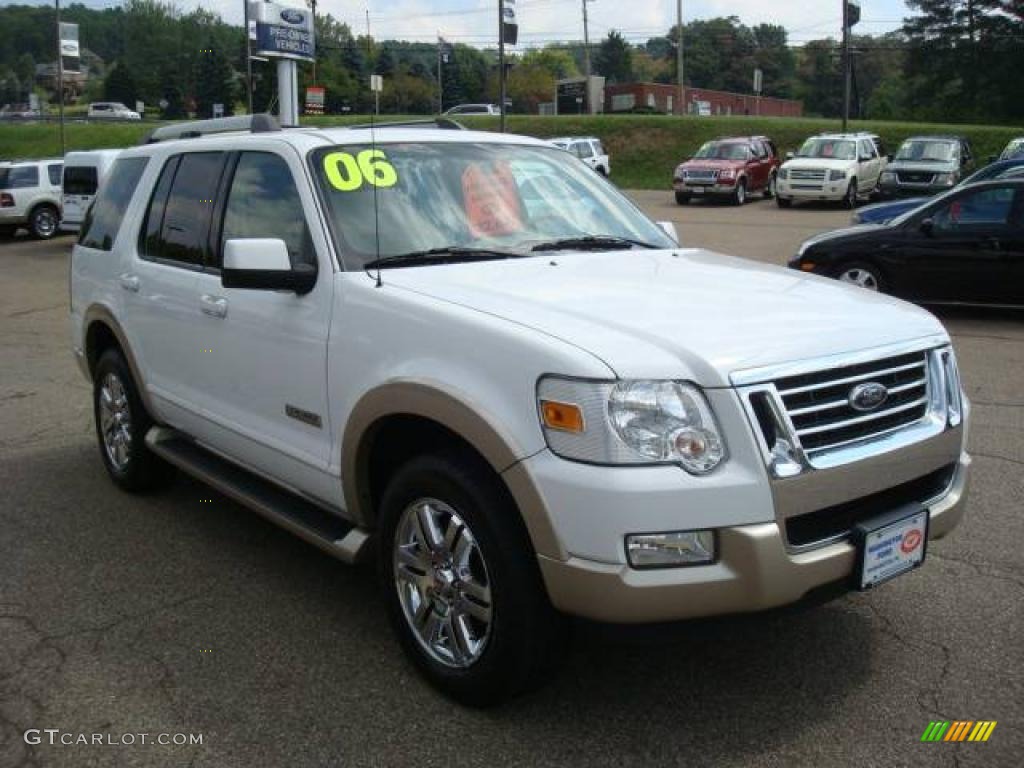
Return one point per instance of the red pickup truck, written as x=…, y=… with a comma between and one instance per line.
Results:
x=729, y=167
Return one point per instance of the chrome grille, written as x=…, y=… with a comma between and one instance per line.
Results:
x=700, y=175
x=823, y=418
x=915, y=177
x=806, y=175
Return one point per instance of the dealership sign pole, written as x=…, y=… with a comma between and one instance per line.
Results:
x=60, y=79
x=285, y=34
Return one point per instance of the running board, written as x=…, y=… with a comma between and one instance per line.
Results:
x=302, y=518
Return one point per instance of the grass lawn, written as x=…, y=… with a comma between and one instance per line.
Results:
x=644, y=148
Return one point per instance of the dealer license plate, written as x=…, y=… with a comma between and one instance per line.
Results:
x=891, y=545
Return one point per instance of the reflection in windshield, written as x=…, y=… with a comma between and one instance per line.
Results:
x=925, y=151
x=831, y=149
x=433, y=195
x=716, y=151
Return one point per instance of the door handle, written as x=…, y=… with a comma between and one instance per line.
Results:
x=130, y=282
x=214, y=306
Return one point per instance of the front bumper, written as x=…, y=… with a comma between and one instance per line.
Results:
x=755, y=571
x=811, y=190
x=707, y=189
x=897, y=190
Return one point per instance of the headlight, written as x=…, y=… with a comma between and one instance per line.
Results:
x=954, y=393
x=946, y=179
x=728, y=173
x=888, y=176
x=784, y=173
x=630, y=422
x=836, y=175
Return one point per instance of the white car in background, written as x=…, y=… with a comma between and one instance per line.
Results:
x=834, y=166
x=588, y=149
x=111, y=110
x=474, y=109
x=30, y=197
x=84, y=174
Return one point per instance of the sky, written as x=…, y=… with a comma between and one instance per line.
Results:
x=475, y=21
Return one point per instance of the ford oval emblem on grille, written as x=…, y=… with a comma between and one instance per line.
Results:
x=292, y=16
x=868, y=397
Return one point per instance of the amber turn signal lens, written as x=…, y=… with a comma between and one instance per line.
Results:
x=808, y=266
x=562, y=416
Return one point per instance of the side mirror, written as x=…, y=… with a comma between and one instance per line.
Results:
x=790, y=155
x=669, y=229
x=263, y=265
x=927, y=227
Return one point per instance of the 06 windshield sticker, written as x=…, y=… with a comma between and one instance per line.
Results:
x=349, y=173
x=491, y=200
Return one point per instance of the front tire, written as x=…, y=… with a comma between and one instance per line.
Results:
x=861, y=274
x=460, y=579
x=739, y=196
x=850, y=200
x=43, y=222
x=682, y=198
x=121, y=426
x=783, y=202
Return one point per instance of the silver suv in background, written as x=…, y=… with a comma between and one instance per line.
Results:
x=926, y=165
x=589, y=150
x=30, y=195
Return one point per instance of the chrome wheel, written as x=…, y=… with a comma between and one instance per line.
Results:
x=44, y=222
x=115, y=421
x=859, y=276
x=442, y=582
x=741, y=193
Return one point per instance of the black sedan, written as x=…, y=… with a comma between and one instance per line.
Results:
x=965, y=247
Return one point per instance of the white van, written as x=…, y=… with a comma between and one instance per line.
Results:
x=84, y=173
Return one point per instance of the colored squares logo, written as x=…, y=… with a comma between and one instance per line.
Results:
x=958, y=730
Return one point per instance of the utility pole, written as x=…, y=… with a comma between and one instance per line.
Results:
x=846, y=65
x=679, y=57
x=586, y=56
x=501, y=62
x=60, y=80
x=248, y=56
x=440, y=73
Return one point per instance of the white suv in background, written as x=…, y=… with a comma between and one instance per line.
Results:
x=840, y=167
x=111, y=110
x=531, y=407
x=30, y=196
x=588, y=149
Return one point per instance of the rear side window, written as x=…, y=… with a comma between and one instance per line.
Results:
x=584, y=150
x=599, y=147
x=264, y=203
x=178, y=225
x=103, y=219
x=53, y=171
x=19, y=177
x=80, y=180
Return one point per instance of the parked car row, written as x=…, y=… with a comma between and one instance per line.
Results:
x=47, y=196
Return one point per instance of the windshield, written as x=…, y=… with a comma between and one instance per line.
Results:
x=927, y=151
x=467, y=195
x=831, y=149
x=714, y=150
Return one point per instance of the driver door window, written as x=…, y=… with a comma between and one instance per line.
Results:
x=982, y=210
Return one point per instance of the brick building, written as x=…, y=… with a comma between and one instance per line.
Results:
x=627, y=97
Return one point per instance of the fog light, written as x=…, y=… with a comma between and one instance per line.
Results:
x=670, y=550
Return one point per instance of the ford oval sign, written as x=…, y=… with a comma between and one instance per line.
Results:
x=868, y=397
x=292, y=16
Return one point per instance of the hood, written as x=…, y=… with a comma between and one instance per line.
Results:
x=675, y=314
x=846, y=233
x=711, y=162
x=817, y=164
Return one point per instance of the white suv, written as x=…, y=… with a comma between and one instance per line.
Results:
x=836, y=166
x=30, y=196
x=588, y=149
x=468, y=349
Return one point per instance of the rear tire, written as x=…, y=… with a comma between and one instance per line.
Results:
x=43, y=222
x=682, y=199
x=469, y=607
x=121, y=426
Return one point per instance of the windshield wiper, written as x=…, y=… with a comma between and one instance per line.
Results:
x=592, y=243
x=449, y=254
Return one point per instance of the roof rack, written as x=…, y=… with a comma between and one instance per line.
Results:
x=198, y=128
x=440, y=123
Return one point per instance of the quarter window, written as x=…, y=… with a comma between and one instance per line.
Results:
x=54, y=172
x=264, y=203
x=103, y=219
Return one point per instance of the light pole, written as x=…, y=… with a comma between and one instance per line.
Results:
x=586, y=55
x=60, y=80
x=846, y=65
x=679, y=57
x=503, y=87
x=248, y=56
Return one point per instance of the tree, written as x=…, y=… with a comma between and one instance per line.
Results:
x=557, y=63
x=614, y=58
x=216, y=82
x=120, y=85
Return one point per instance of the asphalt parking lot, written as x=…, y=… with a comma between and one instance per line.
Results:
x=184, y=613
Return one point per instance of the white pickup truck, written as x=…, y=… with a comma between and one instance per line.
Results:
x=466, y=356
